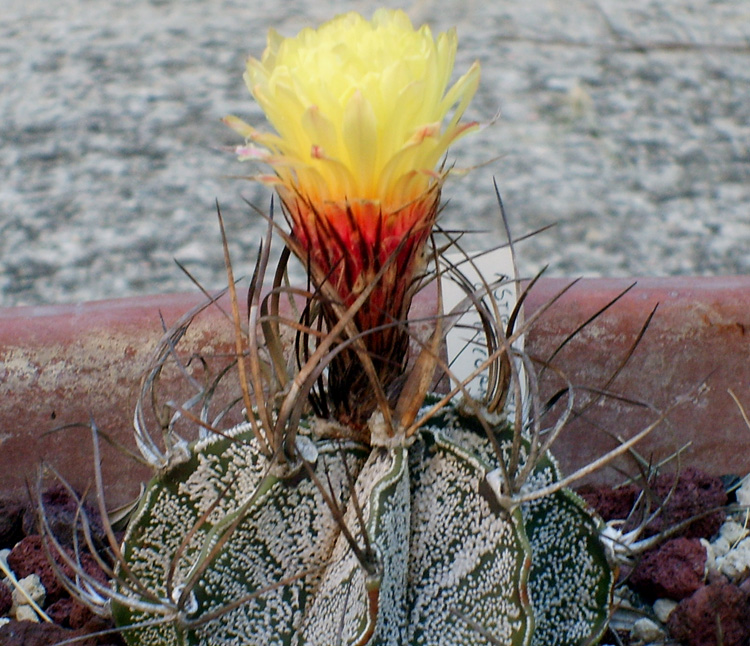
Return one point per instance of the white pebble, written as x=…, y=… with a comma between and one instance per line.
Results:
x=743, y=492
x=33, y=587
x=25, y=613
x=736, y=562
x=663, y=608
x=646, y=631
x=733, y=532
x=720, y=546
x=622, y=598
x=710, y=557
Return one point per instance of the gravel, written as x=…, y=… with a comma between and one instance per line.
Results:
x=626, y=124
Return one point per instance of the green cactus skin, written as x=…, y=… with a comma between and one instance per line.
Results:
x=286, y=529
x=444, y=562
x=350, y=602
x=570, y=581
x=469, y=563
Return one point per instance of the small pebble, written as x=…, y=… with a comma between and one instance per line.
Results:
x=32, y=585
x=663, y=608
x=623, y=598
x=736, y=562
x=25, y=613
x=733, y=532
x=646, y=631
x=743, y=492
x=720, y=546
x=710, y=556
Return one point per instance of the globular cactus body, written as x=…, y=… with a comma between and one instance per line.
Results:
x=390, y=546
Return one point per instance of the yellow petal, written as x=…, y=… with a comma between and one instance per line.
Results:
x=360, y=136
x=320, y=130
x=363, y=103
x=462, y=91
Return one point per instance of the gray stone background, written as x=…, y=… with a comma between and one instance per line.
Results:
x=625, y=123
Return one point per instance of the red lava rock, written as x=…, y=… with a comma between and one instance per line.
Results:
x=609, y=503
x=63, y=511
x=109, y=636
x=80, y=615
x=69, y=613
x=29, y=556
x=11, y=526
x=6, y=599
x=59, y=612
x=675, y=570
x=695, y=492
x=717, y=614
x=30, y=633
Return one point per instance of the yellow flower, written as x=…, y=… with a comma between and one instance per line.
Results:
x=363, y=115
x=359, y=108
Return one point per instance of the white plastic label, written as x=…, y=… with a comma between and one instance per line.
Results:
x=465, y=342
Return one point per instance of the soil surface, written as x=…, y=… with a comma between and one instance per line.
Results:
x=672, y=573
x=28, y=556
x=669, y=593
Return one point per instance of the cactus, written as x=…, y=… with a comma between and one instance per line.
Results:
x=441, y=520
x=411, y=547
x=353, y=507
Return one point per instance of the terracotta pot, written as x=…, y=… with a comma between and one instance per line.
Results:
x=696, y=349
x=62, y=365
